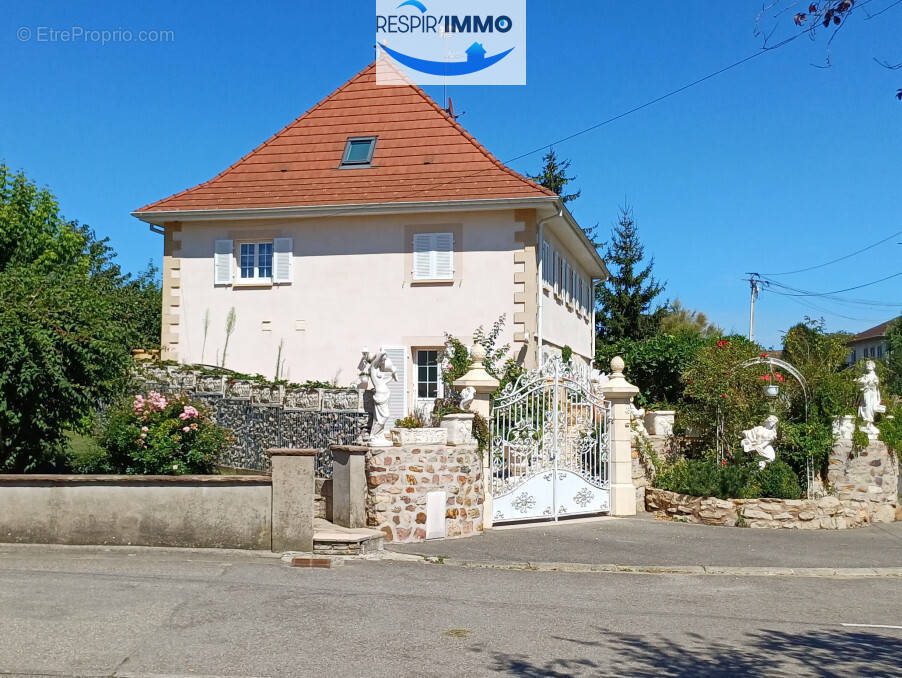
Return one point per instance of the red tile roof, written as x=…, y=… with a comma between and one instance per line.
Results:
x=876, y=332
x=422, y=154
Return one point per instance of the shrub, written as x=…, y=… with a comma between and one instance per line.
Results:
x=778, y=480
x=705, y=478
x=410, y=421
x=654, y=364
x=85, y=455
x=891, y=427
x=156, y=434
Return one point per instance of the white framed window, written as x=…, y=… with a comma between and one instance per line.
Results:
x=429, y=374
x=433, y=256
x=255, y=262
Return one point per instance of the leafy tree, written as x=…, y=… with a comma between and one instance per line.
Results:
x=679, y=320
x=554, y=176
x=67, y=319
x=625, y=299
x=654, y=365
x=894, y=359
x=821, y=358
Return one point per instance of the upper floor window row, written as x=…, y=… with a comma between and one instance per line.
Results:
x=566, y=282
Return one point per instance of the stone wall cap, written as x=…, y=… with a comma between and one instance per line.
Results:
x=352, y=449
x=291, y=452
x=115, y=479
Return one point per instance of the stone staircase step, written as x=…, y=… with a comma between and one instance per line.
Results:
x=339, y=541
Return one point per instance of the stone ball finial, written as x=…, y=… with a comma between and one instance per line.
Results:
x=617, y=366
x=477, y=353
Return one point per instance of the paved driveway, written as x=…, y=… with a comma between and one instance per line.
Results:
x=645, y=541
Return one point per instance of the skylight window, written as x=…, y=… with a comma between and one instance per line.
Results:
x=359, y=152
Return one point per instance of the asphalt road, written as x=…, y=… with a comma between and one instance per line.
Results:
x=79, y=611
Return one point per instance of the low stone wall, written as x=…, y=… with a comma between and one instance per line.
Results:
x=827, y=512
x=863, y=491
x=181, y=511
x=242, y=512
x=400, y=479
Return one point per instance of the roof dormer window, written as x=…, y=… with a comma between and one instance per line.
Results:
x=358, y=152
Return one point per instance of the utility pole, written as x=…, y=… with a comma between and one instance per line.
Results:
x=754, y=281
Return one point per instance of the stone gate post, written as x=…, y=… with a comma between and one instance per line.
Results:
x=484, y=384
x=619, y=392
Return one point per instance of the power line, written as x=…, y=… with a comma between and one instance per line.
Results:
x=805, y=293
x=842, y=258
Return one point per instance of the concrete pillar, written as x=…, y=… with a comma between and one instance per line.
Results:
x=349, y=485
x=292, y=499
x=619, y=392
x=484, y=384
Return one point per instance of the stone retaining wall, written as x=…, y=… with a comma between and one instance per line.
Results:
x=265, y=415
x=400, y=478
x=864, y=492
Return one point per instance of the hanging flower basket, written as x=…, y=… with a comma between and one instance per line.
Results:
x=772, y=384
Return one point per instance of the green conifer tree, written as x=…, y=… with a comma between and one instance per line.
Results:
x=625, y=299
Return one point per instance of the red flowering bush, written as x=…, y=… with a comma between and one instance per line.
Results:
x=159, y=434
x=715, y=390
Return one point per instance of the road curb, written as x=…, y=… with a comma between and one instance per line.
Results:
x=707, y=570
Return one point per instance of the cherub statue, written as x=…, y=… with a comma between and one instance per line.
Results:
x=467, y=394
x=870, y=399
x=760, y=439
x=378, y=368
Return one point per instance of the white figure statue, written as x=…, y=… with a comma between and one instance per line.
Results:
x=379, y=369
x=467, y=394
x=870, y=399
x=760, y=439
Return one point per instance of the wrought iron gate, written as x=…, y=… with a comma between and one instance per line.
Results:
x=549, y=446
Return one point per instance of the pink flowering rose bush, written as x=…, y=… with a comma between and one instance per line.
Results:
x=162, y=434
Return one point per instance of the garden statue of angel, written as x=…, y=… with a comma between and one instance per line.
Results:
x=467, y=394
x=870, y=399
x=378, y=368
x=760, y=439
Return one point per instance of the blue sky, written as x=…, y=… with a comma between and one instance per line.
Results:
x=772, y=166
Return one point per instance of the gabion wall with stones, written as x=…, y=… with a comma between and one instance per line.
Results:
x=263, y=416
x=863, y=486
x=400, y=477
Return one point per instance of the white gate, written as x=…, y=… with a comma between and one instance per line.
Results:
x=549, y=446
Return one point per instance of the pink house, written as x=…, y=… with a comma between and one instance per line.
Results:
x=372, y=220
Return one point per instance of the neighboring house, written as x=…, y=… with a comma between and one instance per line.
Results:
x=869, y=344
x=373, y=220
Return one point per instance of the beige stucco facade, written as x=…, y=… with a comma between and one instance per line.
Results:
x=565, y=322
x=352, y=287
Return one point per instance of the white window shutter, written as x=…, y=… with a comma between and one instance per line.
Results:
x=444, y=256
x=222, y=262
x=422, y=256
x=282, y=260
x=433, y=256
x=397, y=402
